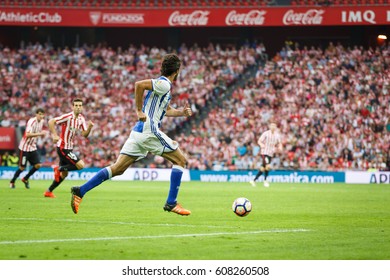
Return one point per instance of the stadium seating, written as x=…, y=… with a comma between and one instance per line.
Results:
x=105, y=78
x=331, y=106
x=329, y=121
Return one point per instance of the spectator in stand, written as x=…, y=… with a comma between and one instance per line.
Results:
x=325, y=100
x=13, y=160
x=4, y=159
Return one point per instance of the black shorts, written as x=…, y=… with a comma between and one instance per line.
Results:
x=67, y=157
x=266, y=160
x=32, y=157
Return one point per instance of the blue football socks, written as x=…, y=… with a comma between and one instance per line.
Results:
x=177, y=173
x=103, y=175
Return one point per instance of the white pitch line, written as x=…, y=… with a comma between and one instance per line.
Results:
x=152, y=236
x=114, y=223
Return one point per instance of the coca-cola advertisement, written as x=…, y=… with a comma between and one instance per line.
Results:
x=253, y=17
x=309, y=17
x=197, y=17
x=208, y=17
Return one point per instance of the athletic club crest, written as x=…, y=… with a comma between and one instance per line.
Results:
x=95, y=17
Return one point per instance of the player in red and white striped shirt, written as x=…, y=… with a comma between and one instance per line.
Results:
x=268, y=142
x=28, y=148
x=70, y=124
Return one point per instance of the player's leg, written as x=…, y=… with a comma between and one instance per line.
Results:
x=179, y=162
x=32, y=171
x=163, y=145
x=130, y=152
x=59, y=176
x=64, y=160
x=259, y=173
x=73, y=161
x=22, y=166
x=69, y=162
x=119, y=167
x=267, y=169
x=16, y=175
x=34, y=160
x=54, y=185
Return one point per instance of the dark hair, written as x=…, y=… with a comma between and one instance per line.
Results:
x=171, y=63
x=77, y=100
x=39, y=110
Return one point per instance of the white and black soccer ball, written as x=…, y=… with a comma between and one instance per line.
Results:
x=242, y=206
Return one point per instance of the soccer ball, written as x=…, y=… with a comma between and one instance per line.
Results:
x=242, y=206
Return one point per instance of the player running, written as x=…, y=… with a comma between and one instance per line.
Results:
x=147, y=137
x=70, y=123
x=267, y=142
x=28, y=148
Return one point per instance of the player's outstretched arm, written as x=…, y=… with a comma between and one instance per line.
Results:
x=262, y=140
x=184, y=112
x=261, y=143
x=140, y=87
x=85, y=133
x=52, y=129
x=36, y=134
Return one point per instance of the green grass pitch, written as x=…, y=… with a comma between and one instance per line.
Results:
x=125, y=221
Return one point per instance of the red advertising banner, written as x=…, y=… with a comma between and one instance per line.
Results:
x=286, y=16
x=7, y=138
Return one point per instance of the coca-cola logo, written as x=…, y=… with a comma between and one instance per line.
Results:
x=197, y=17
x=310, y=17
x=253, y=17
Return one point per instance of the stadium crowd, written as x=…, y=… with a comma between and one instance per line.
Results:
x=331, y=105
x=37, y=75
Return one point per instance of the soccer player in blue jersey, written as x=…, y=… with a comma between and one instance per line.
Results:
x=147, y=137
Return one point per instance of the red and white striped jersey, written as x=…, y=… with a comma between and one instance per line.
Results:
x=69, y=127
x=270, y=140
x=30, y=144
